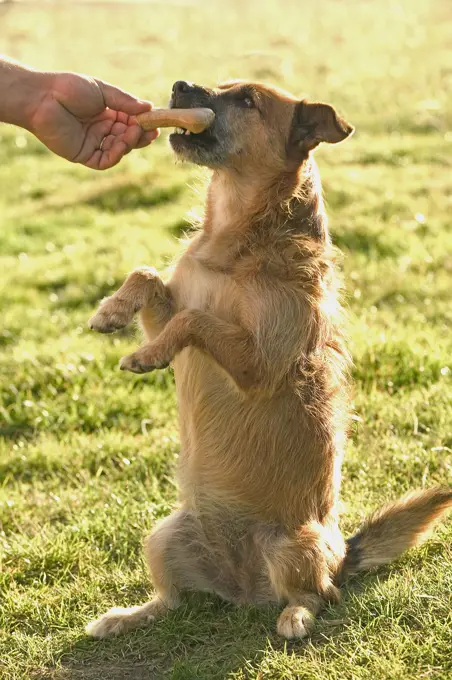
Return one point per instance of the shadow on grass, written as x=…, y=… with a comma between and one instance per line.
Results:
x=132, y=196
x=205, y=638
x=362, y=241
x=17, y=431
x=208, y=638
x=398, y=158
x=7, y=338
x=114, y=195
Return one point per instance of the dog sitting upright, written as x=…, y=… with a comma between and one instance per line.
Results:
x=250, y=320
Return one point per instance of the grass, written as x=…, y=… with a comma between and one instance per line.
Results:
x=87, y=453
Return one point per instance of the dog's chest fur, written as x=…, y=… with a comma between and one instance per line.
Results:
x=199, y=284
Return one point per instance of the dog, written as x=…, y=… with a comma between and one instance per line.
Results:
x=251, y=322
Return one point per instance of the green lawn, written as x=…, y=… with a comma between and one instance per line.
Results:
x=87, y=452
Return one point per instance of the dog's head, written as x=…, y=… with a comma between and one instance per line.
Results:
x=256, y=127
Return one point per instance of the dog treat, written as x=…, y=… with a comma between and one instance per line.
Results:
x=194, y=120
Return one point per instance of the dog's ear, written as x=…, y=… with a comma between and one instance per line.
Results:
x=314, y=122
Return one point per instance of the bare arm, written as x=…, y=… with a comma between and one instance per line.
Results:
x=21, y=90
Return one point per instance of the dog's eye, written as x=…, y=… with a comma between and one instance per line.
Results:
x=246, y=101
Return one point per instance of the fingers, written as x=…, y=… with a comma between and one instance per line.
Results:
x=112, y=157
x=146, y=138
x=110, y=139
x=94, y=161
x=119, y=100
x=119, y=146
x=114, y=148
x=92, y=139
x=103, y=159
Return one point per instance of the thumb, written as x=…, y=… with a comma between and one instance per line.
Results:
x=119, y=100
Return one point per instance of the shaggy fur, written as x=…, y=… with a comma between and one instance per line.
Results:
x=250, y=320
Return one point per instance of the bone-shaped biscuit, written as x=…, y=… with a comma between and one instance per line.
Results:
x=196, y=120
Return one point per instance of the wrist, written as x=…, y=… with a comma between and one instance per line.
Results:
x=22, y=91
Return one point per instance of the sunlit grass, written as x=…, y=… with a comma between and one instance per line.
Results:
x=87, y=453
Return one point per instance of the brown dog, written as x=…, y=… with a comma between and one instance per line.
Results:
x=251, y=322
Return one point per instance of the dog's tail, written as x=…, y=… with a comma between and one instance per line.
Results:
x=393, y=529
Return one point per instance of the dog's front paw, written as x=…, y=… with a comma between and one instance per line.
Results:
x=145, y=360
x=111, y=316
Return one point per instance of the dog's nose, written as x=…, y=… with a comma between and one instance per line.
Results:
x=182, y=87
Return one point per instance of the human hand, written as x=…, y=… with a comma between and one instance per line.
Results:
x=88, y=121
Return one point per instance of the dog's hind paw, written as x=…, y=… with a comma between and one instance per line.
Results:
x=118, y=620
x=295, y=622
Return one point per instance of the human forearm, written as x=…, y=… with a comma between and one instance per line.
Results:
x=21, y=91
